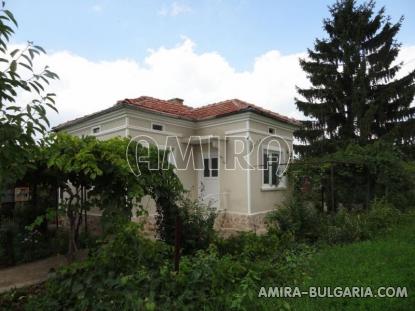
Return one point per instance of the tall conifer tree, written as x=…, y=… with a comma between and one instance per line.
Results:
x=355, y=94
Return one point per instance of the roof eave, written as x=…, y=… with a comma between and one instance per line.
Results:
x=76, y=121
x=250, y=109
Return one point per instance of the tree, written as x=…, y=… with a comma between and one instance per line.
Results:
x=355, y=95
x=20, y=123
x=91, y=172
x=71, y=160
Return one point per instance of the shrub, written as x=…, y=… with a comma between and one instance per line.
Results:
x=306, y=223
x=130, y=272
x=381, y=216
x=117, y=274
x=360, y=174
x=197, y=220
x=343, y=227
x=8, y=241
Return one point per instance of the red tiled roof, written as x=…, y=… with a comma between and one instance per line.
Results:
x=159, y=105
x=176, y=109
x=205, y=112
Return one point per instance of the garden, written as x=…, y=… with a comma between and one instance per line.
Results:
x=348, y=219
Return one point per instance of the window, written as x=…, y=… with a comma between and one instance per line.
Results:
x=271, y=130
x=210, y=167
x=214, y=167
x=96, y=130
x=271, y=162
x=206, y=170
x=157, y=127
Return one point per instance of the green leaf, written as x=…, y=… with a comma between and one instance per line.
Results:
x=28, y=59
x=14, y=52
x=26, y=66
x=11, y=17
x=39, y=48
x=13, y=66
x=15, y=108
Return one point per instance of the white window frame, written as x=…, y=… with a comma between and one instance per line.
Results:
x=158, y=124
x=210, y=169
x=266, y=186
x=94, y=128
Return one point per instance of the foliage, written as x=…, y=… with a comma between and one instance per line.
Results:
x=24, y=226
x=72, y=161
x=166, y=189
x=296, y=218
x=20, y=122
x=117, y=190
x=226, y=276
x=93, y=173
x=129, y=272
x=16, y=298
x=360, y=174
x=98, y=173
x=174, y=208
x=8, y=233
x=355, y=94
x=114, y=276
x=20, y=245
x=197, y=221
x=305, y=223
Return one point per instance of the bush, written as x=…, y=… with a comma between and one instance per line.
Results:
x=304, y=222
x=381, y=217
x=130, y=272
x=8, y=241
x=116, y=275
x=22, y=245
x=360, y=174
x=197, y=221
x=344, y=226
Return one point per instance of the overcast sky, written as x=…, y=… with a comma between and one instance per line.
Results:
x=202, y=51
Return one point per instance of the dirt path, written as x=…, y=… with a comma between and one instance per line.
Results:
x=31, y=273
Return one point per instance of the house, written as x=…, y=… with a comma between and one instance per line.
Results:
x=231, y=154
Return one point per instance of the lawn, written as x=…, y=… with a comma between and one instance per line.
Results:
x=388, y=260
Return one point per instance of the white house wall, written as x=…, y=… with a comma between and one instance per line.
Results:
x=241, y=192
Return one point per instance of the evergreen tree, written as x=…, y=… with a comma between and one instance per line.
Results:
x=355, y=95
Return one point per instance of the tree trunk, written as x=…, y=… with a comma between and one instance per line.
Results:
x=72, y=248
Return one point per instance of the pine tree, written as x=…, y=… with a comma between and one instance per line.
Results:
x=355, y=95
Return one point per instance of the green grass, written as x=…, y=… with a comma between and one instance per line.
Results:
x=388, y=260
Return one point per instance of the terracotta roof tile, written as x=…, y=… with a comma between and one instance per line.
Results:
x=176, y=109
x=160, y=105
x=205, y=112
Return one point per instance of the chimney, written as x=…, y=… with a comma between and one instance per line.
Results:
x=177, y=101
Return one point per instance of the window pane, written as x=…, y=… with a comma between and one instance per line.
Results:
x=157, y=127
x=265, y=166
x=274, y=167
x=274, y=156
x=214, y=167
x=206, y=171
